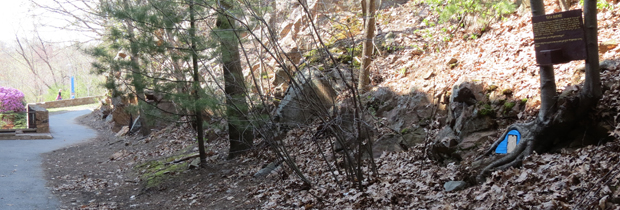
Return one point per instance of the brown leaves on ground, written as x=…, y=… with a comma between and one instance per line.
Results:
x=576, y=179
x=585, y=178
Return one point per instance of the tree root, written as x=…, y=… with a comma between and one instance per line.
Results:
x=543, y=134
x=530, y=132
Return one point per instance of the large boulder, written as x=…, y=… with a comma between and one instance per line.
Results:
x=444, y=144
x=412, y=137
x=380, y=100
x=387, y=143
x=469, y=147
x=464, y=94
x=467, y=128
x=399, y=142
x=308, y=96
x=120, y=117
x=400, y=110
x=473, y=140
x=341, y=78
x=476, y=124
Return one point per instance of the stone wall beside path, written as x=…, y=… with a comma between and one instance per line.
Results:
x=70, y=102
x=41, y=118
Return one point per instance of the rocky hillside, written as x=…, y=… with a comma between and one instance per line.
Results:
x=430, y=81
x=417, y=75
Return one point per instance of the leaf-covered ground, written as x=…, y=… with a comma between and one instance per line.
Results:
x=585, y=178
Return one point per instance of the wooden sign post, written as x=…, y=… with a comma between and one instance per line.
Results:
x=559, y=37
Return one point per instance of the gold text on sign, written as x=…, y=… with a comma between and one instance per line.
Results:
x=549, y=17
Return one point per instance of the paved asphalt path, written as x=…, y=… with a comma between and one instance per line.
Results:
x=22, y=183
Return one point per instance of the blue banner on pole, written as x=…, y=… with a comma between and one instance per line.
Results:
x=72, y=87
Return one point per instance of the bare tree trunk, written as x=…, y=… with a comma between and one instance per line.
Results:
x=196, y=90
x=369, y=31
x=592, y=83
x=548, y=94
x=239, y=130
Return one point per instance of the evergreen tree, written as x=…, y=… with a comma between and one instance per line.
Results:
x=169, y=52
x=239, y=130
x=163, y=56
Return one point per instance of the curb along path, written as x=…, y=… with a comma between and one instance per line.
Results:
x=22, y=183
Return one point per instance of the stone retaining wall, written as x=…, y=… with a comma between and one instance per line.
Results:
x=41, y=118
x=70, y=102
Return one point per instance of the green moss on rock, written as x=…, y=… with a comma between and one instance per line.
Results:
x=154, y=172
x=509, y=105
x=486, y=110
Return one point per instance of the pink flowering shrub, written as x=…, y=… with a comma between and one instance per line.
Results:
x=11, y=100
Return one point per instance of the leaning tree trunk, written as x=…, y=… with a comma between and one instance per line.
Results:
x=239, y=130
x=556, y=117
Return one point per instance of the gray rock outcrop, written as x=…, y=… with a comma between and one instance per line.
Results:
x=466, y=128
x=308, y=96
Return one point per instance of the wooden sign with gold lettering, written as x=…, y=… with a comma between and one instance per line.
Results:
x=559, y=37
